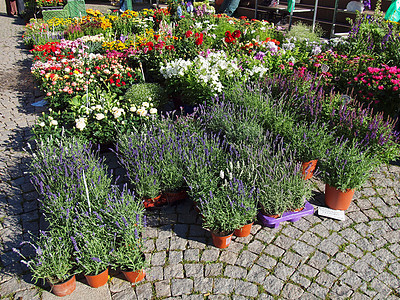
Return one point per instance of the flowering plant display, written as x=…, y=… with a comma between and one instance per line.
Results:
x=53, y=256
x=44, y=3
x=346, y=166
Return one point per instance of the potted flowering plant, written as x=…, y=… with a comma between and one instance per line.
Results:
x=53, y=261
x=345, y=168
x=92, y=242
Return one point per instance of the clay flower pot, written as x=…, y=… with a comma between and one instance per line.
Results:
x=134, y=276
x=336, y=199
x=65, y=288
x=98, y=280
x=221, y=241
x=154, y=202
x=243, y=231
x=308, y=168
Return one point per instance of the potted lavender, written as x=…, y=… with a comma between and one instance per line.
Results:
x=345, y=168
x=53, y=261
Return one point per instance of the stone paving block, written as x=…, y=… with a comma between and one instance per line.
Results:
x=385, y=255
x=328, y=247
x=274, y=251
x=31, y=294
x=235, y=272
x=284, y=242
x=335, y=268
x=198, y=243
x=351, y=279
x=228, y=257
x=310, y=238
x=291, y=231
x=291, y=291
x=162, y=288
x=162, y=244
x=341, y=290
x=302, y=248
x=181, y=286
x=283, y=271
x=181, y=230
x=158, y=258
x=390, y=280
x=235, y=247
x=224, y=285
x=212, y=270
x=317, y=290
x=257, y=274
x=243, y=240
x=319, y=260
x=300, y=279
x=364, y=271
x=255, y=228
x=210, y=255
x=320, y=230
x=155, y=273
x=144, y=291
x=191, y=254
x=175, y=257
x=246, y=259
x=273, y=285
x=203, y=285
x=266, y=261
x=117, y=285
x=380, y=287
x=246, y=289
x=178, y=243
x=292, y=259
x=325, y=279
x=128, y=294
x=150, y=232
x=256, y=247
x=194, y=270
x=266, y=235
x=173, y=271
x=196, y=230
x=394, y=222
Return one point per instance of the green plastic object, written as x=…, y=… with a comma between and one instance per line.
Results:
x=77, y=8
x=129, y=5
x=393, y=12
x=62, y=13
x=290, y=5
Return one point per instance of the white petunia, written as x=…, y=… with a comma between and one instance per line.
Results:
x=80, y=123
x=153, y=111
x=100, y=116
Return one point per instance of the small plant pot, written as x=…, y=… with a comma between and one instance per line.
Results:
x=243, y=231
x=308, y=168
x=221, y=241
x=336, y=199
x=175, y=197
x=65, y=288
x=98, y=280
x=154, y=202
x=134, y=276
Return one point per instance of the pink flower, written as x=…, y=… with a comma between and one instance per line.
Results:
x=395, y=88
x=380, y=87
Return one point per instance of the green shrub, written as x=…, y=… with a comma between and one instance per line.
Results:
x=146, y=92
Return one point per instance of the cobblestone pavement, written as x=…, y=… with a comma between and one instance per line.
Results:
x=313, y=258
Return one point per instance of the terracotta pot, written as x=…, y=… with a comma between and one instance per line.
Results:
x=154, y=202
x=244, y=231
x=221, y=241
x=336, y=199
x=174, y=197
x=308, y=168
x=65, y=288
x=134, y=276
x=98, y=280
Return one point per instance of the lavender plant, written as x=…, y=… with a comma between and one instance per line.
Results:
x=236, y=122
x=346, y=165
x=70, y=178
x=53, y=259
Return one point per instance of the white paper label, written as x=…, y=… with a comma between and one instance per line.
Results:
x=331, y=213
x=228, y=240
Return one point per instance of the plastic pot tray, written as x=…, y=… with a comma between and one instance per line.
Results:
x=287, y=216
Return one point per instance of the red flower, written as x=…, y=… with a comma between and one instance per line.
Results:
x=243, y=18
x=229, y=39
x=170, y=47
x=188, y=33
x=199, y=41
x=111, y=80
x=129, y=74
x=156, y=37
x=228, y=33
x=236, y=34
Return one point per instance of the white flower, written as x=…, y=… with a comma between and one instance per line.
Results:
x=100, y=116
x=80, y=123
x=145, y=104
x=153, y=111
x=41, y=124
x=133, y=108
x=117, y=112
x=54, y=122
x=141, y=112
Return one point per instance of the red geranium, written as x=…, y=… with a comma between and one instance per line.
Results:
x=236, y=34
x=188, y=34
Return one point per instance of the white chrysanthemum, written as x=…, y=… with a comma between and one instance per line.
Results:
x=153, y=111
x=142, y=112
x=80, y=123
x=54, y=122
x=100, y=116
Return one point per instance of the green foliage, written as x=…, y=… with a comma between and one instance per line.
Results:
x=303, y=32
x=146, y=92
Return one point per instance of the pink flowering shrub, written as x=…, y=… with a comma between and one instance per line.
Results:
x=379, y=87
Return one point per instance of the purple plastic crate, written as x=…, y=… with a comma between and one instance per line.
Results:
x=287, y=216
